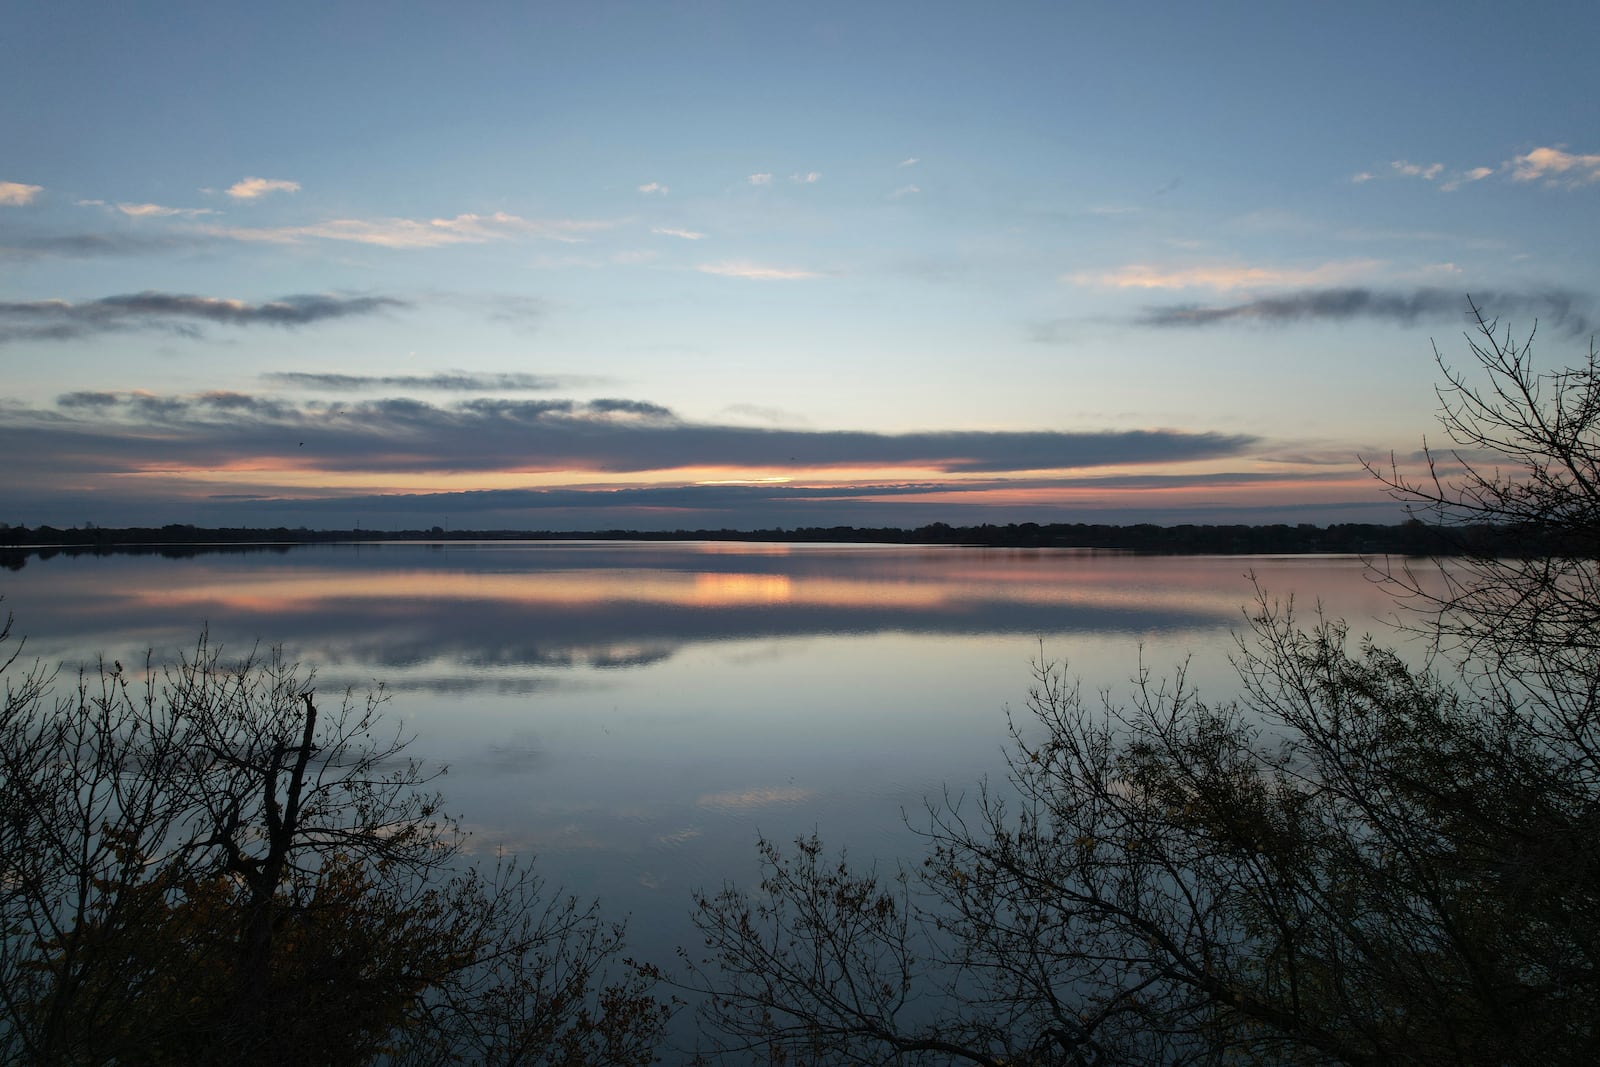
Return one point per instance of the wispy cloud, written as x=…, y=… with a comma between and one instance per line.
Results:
x=60, y=320
x=16, y=194
x=746, y=269
x=417, y=233
x=1452, y=179
x=1220, y=276
x=809, y=178
x=909, y=161
x=615, y=406
x=155, y=211
x=1364, y=176
x=452, y=381
x=654, y=188
x=103, y=244
x=1476, y=174
x=519, y=308
x=159, y=211
x=687, y=235
x=153, y=408
x=1563, y=310
x=904, y=190
x=760, y=179
x=255, y=188
x=766, y=413
x=1426, y=171
x=1556, y=166
x=1553, y=165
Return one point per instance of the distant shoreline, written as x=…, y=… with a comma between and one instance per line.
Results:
x=1412, y=538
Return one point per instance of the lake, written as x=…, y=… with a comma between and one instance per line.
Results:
x=637, y=713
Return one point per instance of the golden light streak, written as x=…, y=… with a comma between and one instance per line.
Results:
x=286, y=476
x=1223, y=483
x=750, y=799
x=726, y=589
x=1003, y=574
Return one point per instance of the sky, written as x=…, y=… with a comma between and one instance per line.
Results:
x=743, y=265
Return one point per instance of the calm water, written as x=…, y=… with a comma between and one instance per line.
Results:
x=636, y=714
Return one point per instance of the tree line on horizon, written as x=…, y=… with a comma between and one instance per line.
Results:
x=1410, y=538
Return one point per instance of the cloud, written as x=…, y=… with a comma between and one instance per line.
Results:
x=16, y=194
x=225, y=400
x=808, y=178
x=85, y=245
x=910, y=161
x=746, y=269
x=149, y=211
x=1426, y=171
x=1457, y=180
x=515, y=308
x=760, y=179
x=1220, y=276
x=1563, y=310
x=255, y=188
x=904, y=190
x=454, y=381
x=59, y=320
x=156, y=211
x=630, y=407
x=653, y=187
x=111, y=432
x=153, y=408
x=766, y=413
x=89, y=399
x=417, y=233
x=1364, y=176
x=687, y=235
x=1553, y=165
x=139, y=454
x=1556, y=166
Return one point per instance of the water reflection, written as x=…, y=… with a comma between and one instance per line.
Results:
x=468, y=610
x=635, y=713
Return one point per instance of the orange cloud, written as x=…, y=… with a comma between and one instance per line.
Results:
x=15, y=194
x=255, y=188
x=1558, y=166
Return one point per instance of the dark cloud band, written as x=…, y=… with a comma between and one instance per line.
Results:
x=60, y=320
x=1560, y=309
x=398, y=435
x=91, y=245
